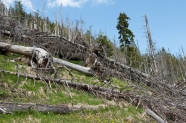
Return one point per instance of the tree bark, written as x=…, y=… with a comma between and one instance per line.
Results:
x=155, y=116
x=9, y=107
x=151, y=46
x=85, y=70
x=16, y=49
x=12, y=107
x=38, y=56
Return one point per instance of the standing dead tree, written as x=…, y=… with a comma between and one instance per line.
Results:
x=151, y=46
x=57, y=46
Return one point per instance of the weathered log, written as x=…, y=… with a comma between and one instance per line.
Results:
x=155, y=116
x=16, y=49
x=9, y=107
x=85, y=70
x=41, y=55
x=38, y=56
x=12, y=107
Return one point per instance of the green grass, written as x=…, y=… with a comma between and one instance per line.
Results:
x=3, y=94
x=82, y=63
x=30, y=91
x=5, y=61
x=55, y=95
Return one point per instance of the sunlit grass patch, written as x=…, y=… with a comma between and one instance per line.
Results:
x=23, y=90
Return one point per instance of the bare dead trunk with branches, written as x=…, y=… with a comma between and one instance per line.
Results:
x=151, y=46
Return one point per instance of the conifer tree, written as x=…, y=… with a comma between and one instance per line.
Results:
x=106, y=43
x=19, y=9
x=127, y=44
x=126, y=36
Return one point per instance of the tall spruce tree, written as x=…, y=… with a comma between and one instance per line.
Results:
x=19, y=9
x=126, y=36
x=127, y=44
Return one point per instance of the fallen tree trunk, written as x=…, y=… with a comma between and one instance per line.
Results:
x=85, y=70
x=16, y=49
x=155, y=116
x=9, y=107
x=38, y=56
x=12, y=107
x=41, y=55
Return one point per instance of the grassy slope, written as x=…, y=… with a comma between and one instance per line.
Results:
x=25, y=90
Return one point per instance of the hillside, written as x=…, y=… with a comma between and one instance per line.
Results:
x=55, y=73
x=23, y=90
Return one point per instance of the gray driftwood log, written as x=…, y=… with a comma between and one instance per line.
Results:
x=10, y=107
x=38, y=56
x=41, y=55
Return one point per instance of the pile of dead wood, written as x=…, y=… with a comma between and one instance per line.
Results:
x=56, y=45
x=165, y=102
x=161, y=99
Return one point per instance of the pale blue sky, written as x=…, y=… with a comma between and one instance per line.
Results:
x=167, y=18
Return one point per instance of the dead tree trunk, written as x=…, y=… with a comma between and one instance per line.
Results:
x=12, y=107
x=9, y=107
x=85, y=70
x=151, y=46
x=39, y=57
x=42, y=56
